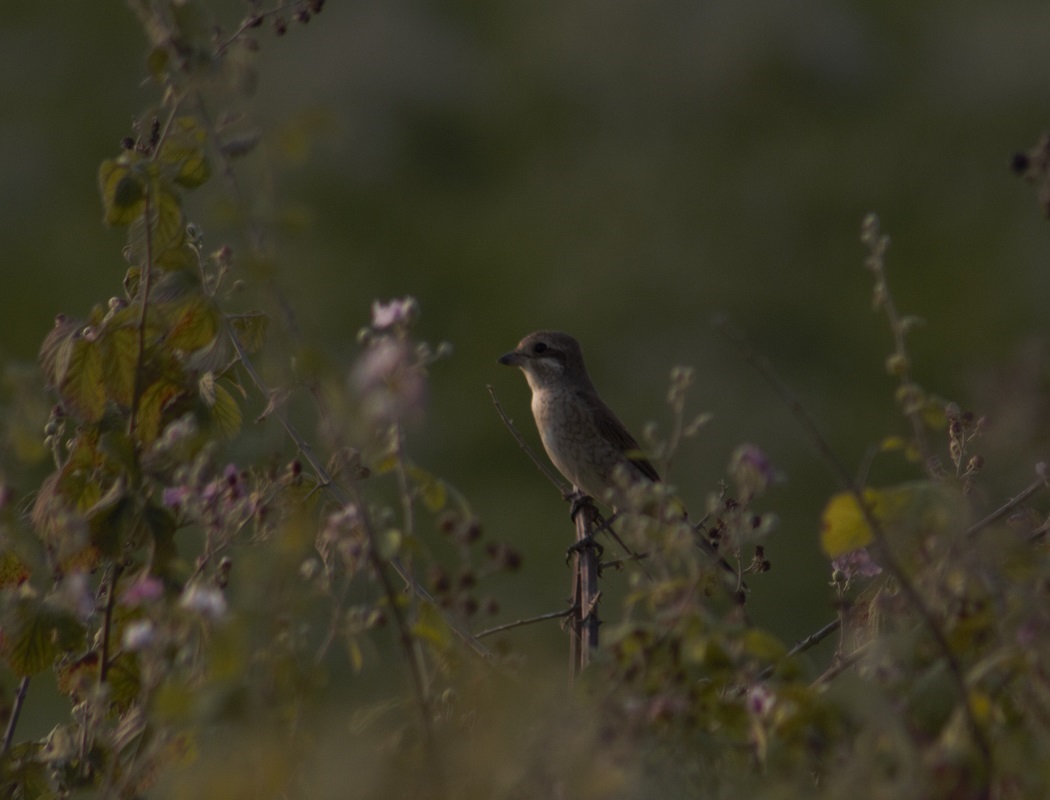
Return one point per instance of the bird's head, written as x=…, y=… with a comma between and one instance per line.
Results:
x=548, y=358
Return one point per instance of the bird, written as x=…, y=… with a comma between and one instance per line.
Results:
x=584, y=439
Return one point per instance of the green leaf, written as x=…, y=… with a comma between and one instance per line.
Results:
x=123, y=192
x=36, y=633
x=13, y=570
x=79, y=377
x=54, y=349
x=764, y=645
x=157, y=63
x=155, y=399
x=250, y=330
x=194, y=323
x=120, y=354
x=108, y=519
x=167, y=231
x=183, y=149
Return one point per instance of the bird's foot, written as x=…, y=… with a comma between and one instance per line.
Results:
x=578, y=502
x=585, y=543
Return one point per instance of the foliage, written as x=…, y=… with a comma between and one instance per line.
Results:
x=229, y=630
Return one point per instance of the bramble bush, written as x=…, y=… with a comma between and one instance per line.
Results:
x=309, y=626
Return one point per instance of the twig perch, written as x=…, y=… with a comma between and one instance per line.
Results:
x=585, y=592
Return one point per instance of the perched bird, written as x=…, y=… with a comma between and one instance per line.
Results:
x=583, y=437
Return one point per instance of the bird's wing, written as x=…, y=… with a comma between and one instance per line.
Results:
x=613, y=430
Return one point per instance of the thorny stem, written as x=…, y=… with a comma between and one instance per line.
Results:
x=889, y=558
x=803, y=645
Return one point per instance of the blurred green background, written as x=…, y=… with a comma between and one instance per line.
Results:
x=619, y=170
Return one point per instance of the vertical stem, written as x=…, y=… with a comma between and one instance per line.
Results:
x=16, y=710
x=585, y=592
x=107, y=622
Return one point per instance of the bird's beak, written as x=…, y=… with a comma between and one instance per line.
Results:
x=512, y=359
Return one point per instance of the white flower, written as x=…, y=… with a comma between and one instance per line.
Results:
x=206, y=601
x=138, y=635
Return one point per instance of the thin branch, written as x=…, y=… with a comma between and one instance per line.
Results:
x=842, y=663
x=529, y=621
x=541, y=465
x=803, y=645
x=16, y=710
x=342, y=499
x=889, y=558
x=1007, y=507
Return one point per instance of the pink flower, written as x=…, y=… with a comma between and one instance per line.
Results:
x=751, y=470
x=856, y=562
x=175, y=497
x=397, y=313
x=392, y=386
x=142, y=591
x=759, y=700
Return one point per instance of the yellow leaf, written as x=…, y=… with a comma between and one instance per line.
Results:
x=123, y=192
x=430, y=627
x=225, y=410
x=842, y=525
x=921, y=504
x=893, y=443
x=431, y=489
x=389, y=543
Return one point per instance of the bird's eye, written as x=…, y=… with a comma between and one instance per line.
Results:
x=539, y=347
